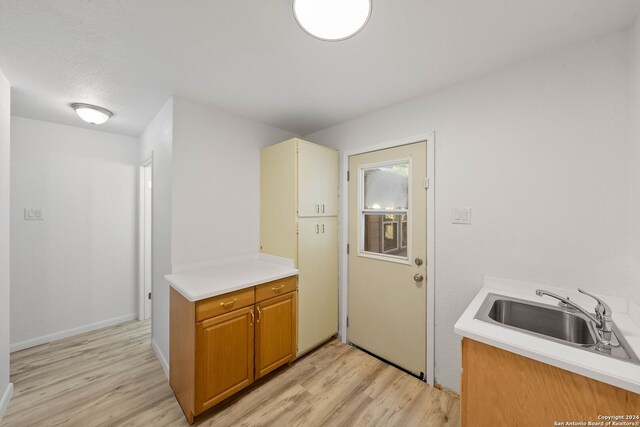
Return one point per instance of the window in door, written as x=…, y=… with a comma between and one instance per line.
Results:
x=384, y=210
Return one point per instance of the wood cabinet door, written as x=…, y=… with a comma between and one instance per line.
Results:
x=317, y=180
x=275, y=333
x=224, y=357
x=318, y=281
x=501, y=388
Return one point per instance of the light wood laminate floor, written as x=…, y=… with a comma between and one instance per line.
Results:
x=111, y=377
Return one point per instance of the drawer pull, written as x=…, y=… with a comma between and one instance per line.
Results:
x=228, y=304
x=277, y=288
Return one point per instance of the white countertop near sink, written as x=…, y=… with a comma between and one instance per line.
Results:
x=626, y=316
x=230, y=274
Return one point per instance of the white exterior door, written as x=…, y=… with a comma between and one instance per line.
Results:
x=387, y=254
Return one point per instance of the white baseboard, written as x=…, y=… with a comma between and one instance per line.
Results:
x=161, y=358
x=6, y=397
x=71, y=332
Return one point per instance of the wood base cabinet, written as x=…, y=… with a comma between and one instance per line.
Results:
x=221, y=345
x=500, y=388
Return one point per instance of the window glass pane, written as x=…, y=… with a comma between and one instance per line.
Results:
x=387, y=187
x=390, y=236
x=403, y=242
x=382, y=234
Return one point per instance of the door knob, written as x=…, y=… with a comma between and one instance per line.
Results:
x=418, y=277
x=418, y=261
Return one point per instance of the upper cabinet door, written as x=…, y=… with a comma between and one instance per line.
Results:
x=317, y=180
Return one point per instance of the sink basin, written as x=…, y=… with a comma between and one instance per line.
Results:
x=543, y=320
x=554, y=323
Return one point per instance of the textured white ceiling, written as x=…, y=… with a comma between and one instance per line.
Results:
x=249, y=57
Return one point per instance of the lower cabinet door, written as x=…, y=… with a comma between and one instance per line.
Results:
x=275, y=333
x=318, y=281
x=224, y=357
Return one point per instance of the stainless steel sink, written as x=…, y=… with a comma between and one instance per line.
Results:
x=558, y=324
x=553, y=323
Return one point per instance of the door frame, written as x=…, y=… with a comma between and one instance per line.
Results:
x=429, y=137
x=141, y=237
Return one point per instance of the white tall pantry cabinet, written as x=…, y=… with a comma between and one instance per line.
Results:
x=298, y=220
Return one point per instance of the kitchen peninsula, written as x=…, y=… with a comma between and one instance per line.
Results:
x=230, y=324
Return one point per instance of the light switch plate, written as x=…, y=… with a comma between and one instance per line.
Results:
x=33, y=214
x=461, y=216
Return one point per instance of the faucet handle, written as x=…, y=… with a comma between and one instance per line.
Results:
x=602, y=308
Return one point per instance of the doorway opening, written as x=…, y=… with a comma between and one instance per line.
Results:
x=145, y=240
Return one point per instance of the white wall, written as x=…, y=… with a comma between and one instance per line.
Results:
x=76, y=269
x=157, y=140
x=216, y=182
x=635, y=245
x=206, y=189
x=5, y=121
x=206, y=192
x=543, y=154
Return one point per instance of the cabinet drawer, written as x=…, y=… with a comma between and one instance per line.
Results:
x=224, y=303
x=276, y=288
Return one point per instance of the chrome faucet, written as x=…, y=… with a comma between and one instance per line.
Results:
x=602, y=318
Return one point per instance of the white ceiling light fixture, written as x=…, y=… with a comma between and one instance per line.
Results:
x=332, y=20
x=92, y=113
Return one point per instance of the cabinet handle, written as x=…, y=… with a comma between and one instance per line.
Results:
x=253, y=317
x=277, y=288
x=228, y=303
x=322, y=228
x=258, y=319
x=323, y=208
x=317, y=208
x=317, y=229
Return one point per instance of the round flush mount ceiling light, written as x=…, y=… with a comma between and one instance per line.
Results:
x=91, y=113
x=332, y=20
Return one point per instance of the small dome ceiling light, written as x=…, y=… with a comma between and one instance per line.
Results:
x=332, y=20
x=92, y=113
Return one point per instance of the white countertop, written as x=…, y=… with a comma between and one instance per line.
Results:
x=224, y=276
x=599, y=367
